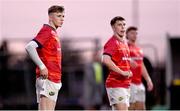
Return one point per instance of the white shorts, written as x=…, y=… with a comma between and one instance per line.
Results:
x=47, y=88
x=118, y=95
x=137, y=93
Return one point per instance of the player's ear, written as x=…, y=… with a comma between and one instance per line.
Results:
x=113, y=27
x=126, y=37
x=50, y=16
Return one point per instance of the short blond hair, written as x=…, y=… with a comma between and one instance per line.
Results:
x=55, y=8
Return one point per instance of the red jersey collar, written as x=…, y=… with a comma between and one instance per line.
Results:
x=130, y=44
x=50, y=27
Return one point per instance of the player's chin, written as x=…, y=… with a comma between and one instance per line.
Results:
x=121, y=34
x=59, y=25
x=134, y=38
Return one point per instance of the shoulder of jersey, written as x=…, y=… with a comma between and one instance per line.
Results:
x=112, y=41
x=44, y=28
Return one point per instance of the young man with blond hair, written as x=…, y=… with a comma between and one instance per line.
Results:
x=45, y=51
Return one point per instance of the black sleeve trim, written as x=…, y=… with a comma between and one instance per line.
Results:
x=107, y=54
x=39, y=44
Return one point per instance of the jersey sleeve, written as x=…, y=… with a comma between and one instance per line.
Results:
x=109, y=49
x=42, y=37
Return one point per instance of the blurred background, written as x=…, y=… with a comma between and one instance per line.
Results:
x=85, y=30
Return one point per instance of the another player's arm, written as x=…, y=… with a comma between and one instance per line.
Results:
x=32, y=52
x=147, y=77
x=106, y=59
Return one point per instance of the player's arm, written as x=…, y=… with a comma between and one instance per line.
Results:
x=106, y=59
x=147, y=77
x=32, y=52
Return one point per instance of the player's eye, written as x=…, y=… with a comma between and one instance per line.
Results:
x=61, y=16
x=119, y=24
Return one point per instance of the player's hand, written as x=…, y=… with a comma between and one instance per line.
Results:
x=44, y=73
x=133, y=64
x=150, y=85
x=127, y=74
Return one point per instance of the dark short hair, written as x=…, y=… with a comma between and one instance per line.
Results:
x=55, y=8
x=131, y=28
x=117, y=18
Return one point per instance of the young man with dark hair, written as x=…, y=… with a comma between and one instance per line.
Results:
x=137, y=90
x=45, y=51
x=116, y=58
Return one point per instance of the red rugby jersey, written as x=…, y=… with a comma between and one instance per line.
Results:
x=49, y=51
x=136, y=54
x=119, y=52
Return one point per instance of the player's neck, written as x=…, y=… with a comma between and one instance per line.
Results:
x=52, y=25
x=120, y=38
x=131, y=42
